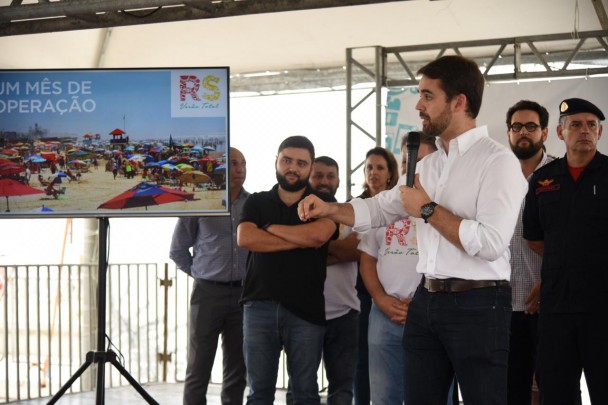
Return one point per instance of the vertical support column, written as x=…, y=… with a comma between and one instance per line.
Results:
x=379, y=76
x=349, y=96
x=358, y=72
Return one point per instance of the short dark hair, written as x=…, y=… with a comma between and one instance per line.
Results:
x=327, y=161
x=298, y=141
x=458, y=75
x=424, y=139
x=543, y=114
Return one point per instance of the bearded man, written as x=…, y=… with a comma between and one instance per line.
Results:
x=283, y=302
x=527, y=131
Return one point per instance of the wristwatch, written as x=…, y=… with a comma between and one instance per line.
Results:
x=427, y=210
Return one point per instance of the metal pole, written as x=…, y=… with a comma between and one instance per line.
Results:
x=164, y=357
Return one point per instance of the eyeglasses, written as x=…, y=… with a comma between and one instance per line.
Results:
x=530, y=126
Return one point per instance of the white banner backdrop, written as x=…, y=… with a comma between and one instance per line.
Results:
x=402, y=117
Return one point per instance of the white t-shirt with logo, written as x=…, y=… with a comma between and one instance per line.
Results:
x=396, y=249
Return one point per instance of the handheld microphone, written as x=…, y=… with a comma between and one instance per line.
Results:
x=412, y=144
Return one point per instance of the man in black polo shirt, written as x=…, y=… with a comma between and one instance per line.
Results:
x=566, y=221
x=282, y=296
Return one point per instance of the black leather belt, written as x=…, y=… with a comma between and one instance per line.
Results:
x=459, y=285
x=235, y=283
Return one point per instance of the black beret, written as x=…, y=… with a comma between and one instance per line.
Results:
x=578, y=105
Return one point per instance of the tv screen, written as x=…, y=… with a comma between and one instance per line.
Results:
x=114, y=142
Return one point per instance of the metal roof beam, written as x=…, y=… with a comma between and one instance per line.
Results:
x=601, y=13
x=21, y=19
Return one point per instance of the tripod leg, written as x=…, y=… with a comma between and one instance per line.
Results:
x=89, y=360
x=132, y=380
x=102, y=356
x=101, y=369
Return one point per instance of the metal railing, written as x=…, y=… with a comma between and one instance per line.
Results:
x=48, y=322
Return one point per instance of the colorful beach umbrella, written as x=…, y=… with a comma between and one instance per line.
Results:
x=8, y=169
x=146, y=194
x=184, y=167
x=194, y=177
x=36, y=159
x=78, y=154
x=12, y=188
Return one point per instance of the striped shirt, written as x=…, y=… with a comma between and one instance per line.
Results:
x=525, y=264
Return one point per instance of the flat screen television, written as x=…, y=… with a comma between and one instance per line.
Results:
x=114, y=142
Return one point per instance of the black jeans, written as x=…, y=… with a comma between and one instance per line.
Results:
x=465, y=332
x=568, y=344
x=522, y=357
x=361, y=383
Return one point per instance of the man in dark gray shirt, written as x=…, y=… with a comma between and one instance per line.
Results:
x=218, y=268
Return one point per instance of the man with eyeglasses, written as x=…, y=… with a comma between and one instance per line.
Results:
x=527, y=132
x=566, y=221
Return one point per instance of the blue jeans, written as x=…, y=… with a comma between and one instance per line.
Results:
x=466, y=333
x=386, y=359
x=340, y=358
x=267, y=328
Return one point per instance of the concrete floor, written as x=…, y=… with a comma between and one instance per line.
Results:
x=162, y=393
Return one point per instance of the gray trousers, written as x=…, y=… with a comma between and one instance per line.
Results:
x=214, y=310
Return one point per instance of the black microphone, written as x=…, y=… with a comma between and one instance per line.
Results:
x=412, y=144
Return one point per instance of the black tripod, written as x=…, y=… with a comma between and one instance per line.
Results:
x=102, y=356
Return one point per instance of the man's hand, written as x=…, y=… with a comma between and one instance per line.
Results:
x=312, y=207
x=394, y=309
x=533, y=300
x=414, y=198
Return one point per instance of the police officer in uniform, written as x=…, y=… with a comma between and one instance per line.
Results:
x=566, y=221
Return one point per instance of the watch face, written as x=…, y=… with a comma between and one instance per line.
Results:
x=427, y=210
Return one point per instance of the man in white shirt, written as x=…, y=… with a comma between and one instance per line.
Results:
x=465, y=202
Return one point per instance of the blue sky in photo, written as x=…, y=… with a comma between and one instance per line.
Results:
x=137, y=101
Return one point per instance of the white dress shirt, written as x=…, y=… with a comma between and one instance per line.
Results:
x=480, y=181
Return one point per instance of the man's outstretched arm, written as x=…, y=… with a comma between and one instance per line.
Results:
x=313, y=207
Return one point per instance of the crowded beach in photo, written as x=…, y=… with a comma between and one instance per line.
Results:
x=109, y=173
x=113, y=142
